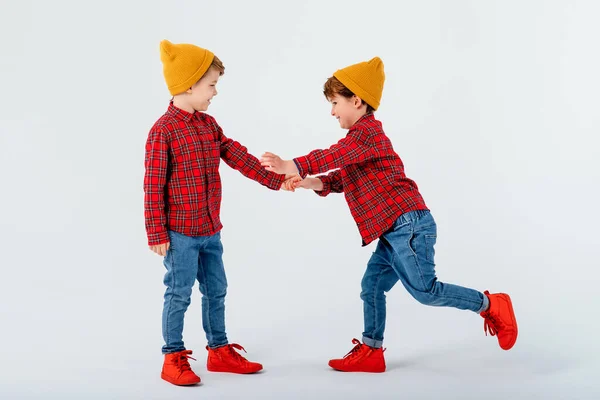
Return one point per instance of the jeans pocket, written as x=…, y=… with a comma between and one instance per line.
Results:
x=430, y=247
x=413, y=245
x=399, y=225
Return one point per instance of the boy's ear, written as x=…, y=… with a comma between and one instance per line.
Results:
x=356, y=101
x=189, y=91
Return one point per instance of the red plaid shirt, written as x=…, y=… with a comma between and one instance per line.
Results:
x=370, y=174
x=182, y=185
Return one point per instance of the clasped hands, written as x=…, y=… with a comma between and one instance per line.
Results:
x=274, y=163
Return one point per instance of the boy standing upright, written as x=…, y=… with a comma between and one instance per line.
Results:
x=182, y=208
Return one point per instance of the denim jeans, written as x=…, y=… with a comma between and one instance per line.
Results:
x=406, y=253
x=188, y=259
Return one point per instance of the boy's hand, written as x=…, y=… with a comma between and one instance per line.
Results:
x=160, y=249
x=309, y=183
x=290, y=181
x=274, y=163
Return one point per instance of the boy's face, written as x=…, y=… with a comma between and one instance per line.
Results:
x=200, y=95
x=347, y=110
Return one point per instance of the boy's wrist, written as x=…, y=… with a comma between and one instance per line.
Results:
x=316, y=184
x=324, y=186
x=292, y=168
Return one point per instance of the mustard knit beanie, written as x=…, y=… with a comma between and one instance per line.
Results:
x=183, y=65
x=365, y=80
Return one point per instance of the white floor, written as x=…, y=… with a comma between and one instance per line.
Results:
x=85, y=327
x=451, y=359
x=446, y=373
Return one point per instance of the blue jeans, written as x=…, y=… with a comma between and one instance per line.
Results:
x=188, y=259
x=406, y=252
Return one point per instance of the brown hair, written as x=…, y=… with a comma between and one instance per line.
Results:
x=333, y=86
x=218, y=65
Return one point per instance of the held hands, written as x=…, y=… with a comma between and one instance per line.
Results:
x=295, y=182
x=290, y=182
x=274, y=163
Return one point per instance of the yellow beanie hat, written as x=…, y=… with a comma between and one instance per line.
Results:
x=183, y=65
x=365, y=80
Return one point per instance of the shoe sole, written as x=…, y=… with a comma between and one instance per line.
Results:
x=358, y=370
x=514, y=320
x=233, y=372
x=170, y=380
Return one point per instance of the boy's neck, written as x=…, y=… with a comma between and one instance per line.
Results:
x=183, y=105
x=359, y=117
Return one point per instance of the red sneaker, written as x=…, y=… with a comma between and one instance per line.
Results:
x=361, y=358
x=500, y=320
x=226, y=359
x=176, y=369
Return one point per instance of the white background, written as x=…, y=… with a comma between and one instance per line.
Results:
x=493, y=107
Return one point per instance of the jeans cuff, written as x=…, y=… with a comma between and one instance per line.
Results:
x=372, y=342
x=170, y=351
x=485, y=304
x=217, y=346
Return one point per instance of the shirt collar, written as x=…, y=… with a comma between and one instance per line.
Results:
x=366, y=117
x=179, y=113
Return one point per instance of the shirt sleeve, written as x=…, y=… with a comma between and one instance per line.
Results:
x=354, y=148
x=332, y=183
x=155, y=179
x=237, y=157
